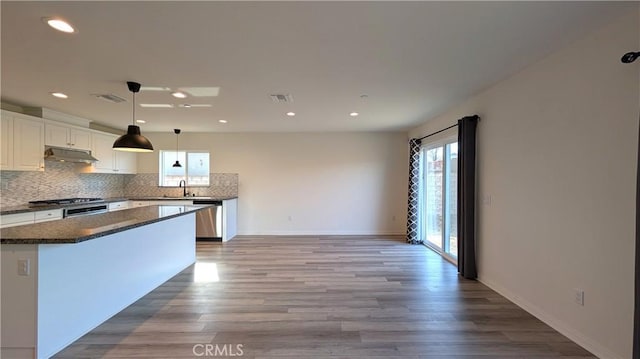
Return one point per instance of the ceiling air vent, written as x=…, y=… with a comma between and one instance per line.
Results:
x=110, y=98
x=281, y=98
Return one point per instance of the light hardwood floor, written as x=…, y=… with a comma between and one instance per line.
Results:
x=322, y=297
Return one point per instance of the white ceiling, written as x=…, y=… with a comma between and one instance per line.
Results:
x=412, y=59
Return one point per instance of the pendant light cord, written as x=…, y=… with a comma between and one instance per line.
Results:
x=134, y=108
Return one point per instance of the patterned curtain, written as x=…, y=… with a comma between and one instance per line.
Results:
x=413, y=236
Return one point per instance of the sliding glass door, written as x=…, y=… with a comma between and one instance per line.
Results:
x=439, y=197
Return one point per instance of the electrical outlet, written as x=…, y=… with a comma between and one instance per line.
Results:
x=393, y=218
x=578, y=296
x=24, y=267
x=289, y=218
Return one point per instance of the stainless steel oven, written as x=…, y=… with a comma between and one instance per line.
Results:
x=84, y=210
x=78, y=206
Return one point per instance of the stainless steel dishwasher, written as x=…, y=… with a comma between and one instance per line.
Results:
x=209, y=220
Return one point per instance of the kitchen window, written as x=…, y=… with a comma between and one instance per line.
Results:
x=194, y=170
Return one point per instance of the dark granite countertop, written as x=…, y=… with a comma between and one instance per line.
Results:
x=27, y=208
x=188, y=198
x=83, y=228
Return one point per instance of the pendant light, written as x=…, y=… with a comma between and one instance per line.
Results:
x=177, y=132
x=133, y=141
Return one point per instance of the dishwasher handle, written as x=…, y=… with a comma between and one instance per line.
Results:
x=207, y=201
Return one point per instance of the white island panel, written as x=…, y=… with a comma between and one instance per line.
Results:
x=84, y=284
x=80, y=285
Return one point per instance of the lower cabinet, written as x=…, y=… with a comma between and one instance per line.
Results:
x=50, y=215
x=19, y=219
x=118, y=206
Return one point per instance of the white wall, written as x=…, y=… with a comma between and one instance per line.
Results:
x=557, y=154
x=328, y=183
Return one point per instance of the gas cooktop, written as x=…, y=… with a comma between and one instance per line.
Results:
x=49, y=202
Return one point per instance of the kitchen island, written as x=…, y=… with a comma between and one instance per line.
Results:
x=60, y=279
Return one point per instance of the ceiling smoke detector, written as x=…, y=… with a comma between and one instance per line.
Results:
x=109, y=98
x=277, y=98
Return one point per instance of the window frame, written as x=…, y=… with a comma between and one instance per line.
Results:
x=185, y=166
x=422, y=232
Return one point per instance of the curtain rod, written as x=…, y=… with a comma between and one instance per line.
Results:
x=437, y=132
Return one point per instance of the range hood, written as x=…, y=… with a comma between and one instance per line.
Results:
x=68, y=155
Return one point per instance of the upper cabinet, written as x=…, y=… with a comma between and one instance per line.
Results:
x=67, y=136
x=6, y=142
x=110, y=161
x=126, y=162
x=103, y=151
x=22, y=142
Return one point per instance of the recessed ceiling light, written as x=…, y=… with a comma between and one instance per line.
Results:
x=156, y=105
x=178, y=94
x=222, y=121
x=59, y=95
x=141, y=121
x=59, y=25
x=353, y=114
x=291, y=114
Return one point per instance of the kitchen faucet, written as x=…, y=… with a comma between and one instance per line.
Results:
x=184, y=191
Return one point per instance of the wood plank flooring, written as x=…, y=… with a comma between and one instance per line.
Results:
x=322, y=297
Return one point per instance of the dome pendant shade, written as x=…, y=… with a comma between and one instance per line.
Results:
x=177, y=132
x=133, y=141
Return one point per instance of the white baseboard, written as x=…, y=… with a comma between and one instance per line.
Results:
x=572, y=333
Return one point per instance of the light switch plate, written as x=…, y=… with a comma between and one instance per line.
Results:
x=24, y=267
x=579, y=296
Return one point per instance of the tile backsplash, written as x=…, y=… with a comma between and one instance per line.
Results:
x=146, y=185
x=62, y=180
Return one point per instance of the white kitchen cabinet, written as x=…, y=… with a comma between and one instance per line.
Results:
x=17, y=219
x=110, y=161
x=66, y=136
x=6, y=151
x=49, y=215
x=117, y=206
x=22, y=142
x=126, y=162
x=103, y=151
x=28, y=144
